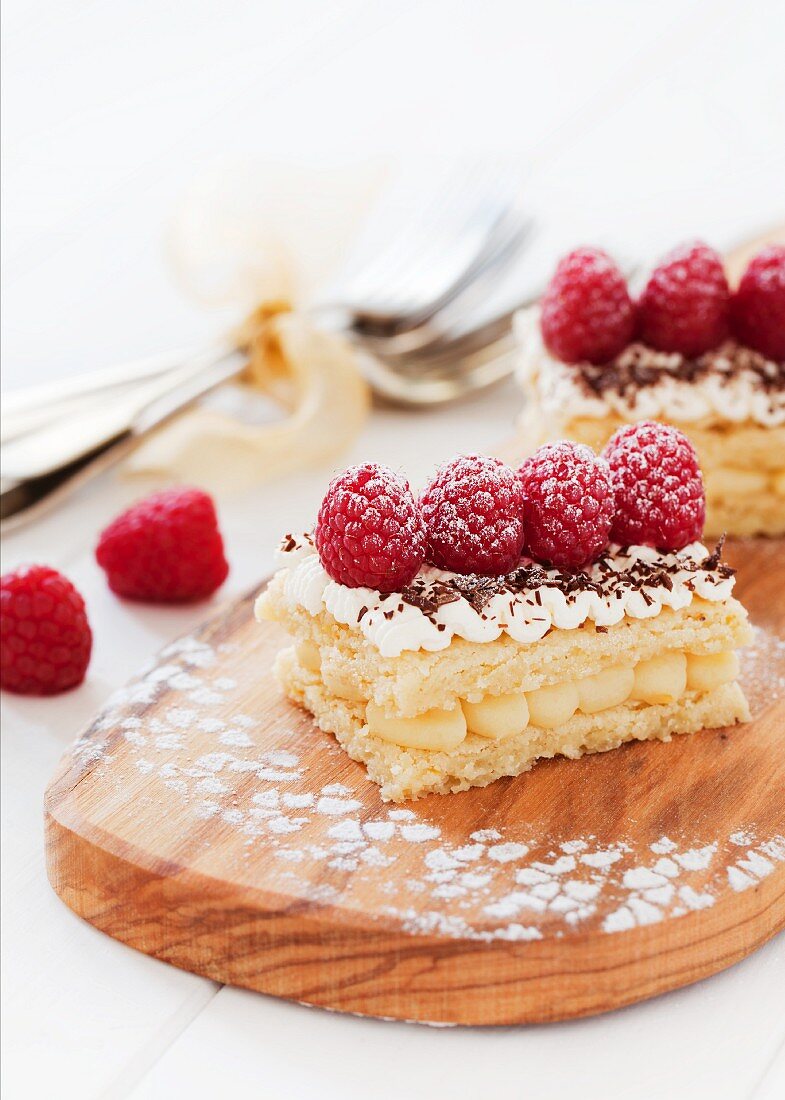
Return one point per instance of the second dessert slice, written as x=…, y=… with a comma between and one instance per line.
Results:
x=689, y=353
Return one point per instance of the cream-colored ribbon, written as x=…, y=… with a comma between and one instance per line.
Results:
x=267, y=234
x=311, y=375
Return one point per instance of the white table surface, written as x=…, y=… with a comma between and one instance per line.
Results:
x=652, y=121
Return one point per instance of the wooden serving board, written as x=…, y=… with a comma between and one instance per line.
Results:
x=203, y=819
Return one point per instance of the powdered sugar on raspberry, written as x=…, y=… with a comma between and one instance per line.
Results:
x=586, y=310
x=568, y=504
x=473, y=512
x=684, y=305
x=658, y=486
x=369, y=531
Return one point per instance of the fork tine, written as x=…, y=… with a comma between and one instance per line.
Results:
x=431, y=330
x=436, y=387
x=501, y=249
x=446, y=233
x=377, y=276
x=477, y=203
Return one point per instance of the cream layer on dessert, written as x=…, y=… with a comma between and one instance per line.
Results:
x=636, y=582
x=731, y=384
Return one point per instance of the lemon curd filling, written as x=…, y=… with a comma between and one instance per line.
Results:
x=658, y=681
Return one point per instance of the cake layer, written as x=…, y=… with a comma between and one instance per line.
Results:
x=408, y=773
x=747, y=514
x=418, y=681
x=743, y=465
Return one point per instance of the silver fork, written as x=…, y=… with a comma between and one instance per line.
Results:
x=455, y=243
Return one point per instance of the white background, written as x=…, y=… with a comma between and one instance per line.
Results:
x=645, y=122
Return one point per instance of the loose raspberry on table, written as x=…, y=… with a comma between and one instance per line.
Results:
x=758, y=306
x=45, y=638
x=569, y=504
x=660, y=499
x=684, y=306
x=369, y=531
x=166, y=548
x=473, y=511
x=586, y=311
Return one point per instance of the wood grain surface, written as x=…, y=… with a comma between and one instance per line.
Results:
x=204, y=820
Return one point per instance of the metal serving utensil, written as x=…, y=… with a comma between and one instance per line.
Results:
x=462, y=236
x=54, y=438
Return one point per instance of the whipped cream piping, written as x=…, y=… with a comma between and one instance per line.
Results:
x=732, y=383
x=636, y=581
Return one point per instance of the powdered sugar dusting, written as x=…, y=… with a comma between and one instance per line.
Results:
x=507, y=882
x=765, y=654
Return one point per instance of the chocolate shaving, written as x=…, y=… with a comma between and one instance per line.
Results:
x=640, y=576
x=477, y=590
x=639, y=366
x=714, y=563
x=428, y=597
x=293, y=542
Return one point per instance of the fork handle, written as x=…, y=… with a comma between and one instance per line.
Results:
x=24, y=499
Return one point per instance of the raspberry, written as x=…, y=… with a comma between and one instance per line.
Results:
x=684, y=305
x=758, y=306
x=46, y=638
x=660, y=500
x=369, y=532
x=568, y=504
x=166, y=548
x=587, y=312
x=473, y=510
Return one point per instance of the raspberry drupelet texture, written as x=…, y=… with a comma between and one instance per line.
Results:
x=660, y=499
x=369, y=531
x=587, y=313
x=758, y=306
x=166, y=548
x=473, y=512
x=568, y=504
x=46, y=639
x=684, y=306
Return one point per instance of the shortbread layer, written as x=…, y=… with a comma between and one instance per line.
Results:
x=743, y=465
x=408, y=773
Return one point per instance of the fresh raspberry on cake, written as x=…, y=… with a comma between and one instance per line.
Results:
x=45, y=638
x=568, y=504
x=369, y=531
x=684, y=305
x=758, y=306
x=166, y=548
x=473, y=511
x=586, y=312
x=660, y=500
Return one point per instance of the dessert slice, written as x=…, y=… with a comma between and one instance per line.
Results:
x=439, y=680
x=705, y=361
